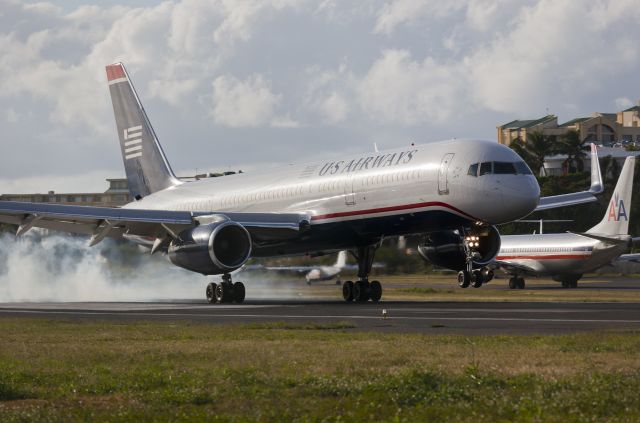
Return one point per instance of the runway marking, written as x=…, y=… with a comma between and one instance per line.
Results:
x=290, y=316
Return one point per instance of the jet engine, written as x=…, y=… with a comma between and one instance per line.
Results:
x=211, y=249
x=450, y=248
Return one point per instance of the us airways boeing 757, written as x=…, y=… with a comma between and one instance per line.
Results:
x=213, y=226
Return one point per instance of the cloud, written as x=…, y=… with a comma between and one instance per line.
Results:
x=239, y=103
x=402, y=90
x=340, y=73
x=399, y=12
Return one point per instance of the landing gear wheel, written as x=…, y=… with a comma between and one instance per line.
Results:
x=211, y=293
x=375, y=291
x=361, y=291
x=570, y=283
x=238, y=292
x=347, y=291
x=464, y=279
x=477, y=279
x=512, y=283
x=520, y=283
x=224, y=293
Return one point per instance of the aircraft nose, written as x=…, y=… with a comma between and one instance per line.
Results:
x=521, y=198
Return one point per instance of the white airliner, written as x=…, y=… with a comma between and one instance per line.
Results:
x=567, y=256
x=450, y=189
x=313, y=273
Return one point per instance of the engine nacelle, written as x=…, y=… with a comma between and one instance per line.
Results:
x=447, y=248
x=211, y=249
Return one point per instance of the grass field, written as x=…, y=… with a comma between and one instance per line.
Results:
x=56, y=370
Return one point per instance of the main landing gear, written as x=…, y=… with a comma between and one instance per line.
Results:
x=363, y=290
x=570, y=282
x=516, y=283
x=226, y=291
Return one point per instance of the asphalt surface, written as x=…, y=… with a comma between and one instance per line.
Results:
x=401, y=316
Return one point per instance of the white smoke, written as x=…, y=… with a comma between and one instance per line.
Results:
x=37, y=267
x=64, y=268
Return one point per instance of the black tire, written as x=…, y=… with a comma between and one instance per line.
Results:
x=476, y=279
x=211, y=293
x=347, y=291
x=512, y=283
x=464, y=279
x=361, y=291
x=487, y=275
x=223, y=293
x=520, y=283
x=238, y=292
x=375, y=291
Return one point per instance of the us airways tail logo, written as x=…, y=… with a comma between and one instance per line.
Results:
x=617, y=210
x=133, y=142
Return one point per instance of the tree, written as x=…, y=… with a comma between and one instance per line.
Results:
x=571, y=145
x=535, y=149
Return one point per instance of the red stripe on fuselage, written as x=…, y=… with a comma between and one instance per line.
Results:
x=546, y=257
x=390, y=209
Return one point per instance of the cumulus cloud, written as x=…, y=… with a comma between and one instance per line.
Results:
x=330, y=70
x=398, y=88
x=243, y=103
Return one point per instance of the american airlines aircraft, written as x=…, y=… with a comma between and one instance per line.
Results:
x=452, y=189
x=567, y=256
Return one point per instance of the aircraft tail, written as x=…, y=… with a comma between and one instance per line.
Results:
x=145, y=163
x=342, y=259
x=616, y=218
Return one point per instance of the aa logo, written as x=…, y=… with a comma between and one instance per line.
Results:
x=617, y=210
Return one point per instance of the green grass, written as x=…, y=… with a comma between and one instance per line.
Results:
x=114, y=371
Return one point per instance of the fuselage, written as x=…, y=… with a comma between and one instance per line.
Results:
x=355, y=199
x=558, y=254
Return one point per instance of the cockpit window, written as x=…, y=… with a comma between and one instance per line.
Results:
x=523, y=169
x=473, y=170
x=485, y=168
x=504, y=168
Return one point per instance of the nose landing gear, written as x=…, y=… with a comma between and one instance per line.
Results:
x=475, y=278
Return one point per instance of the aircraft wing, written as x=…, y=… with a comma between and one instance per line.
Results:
x=635, y=257
x=563, y=200
x=114, y=222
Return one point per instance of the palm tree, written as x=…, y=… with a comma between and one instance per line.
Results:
x=535, y=149
x=571, y=145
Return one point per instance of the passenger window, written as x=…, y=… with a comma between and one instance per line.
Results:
x=473, y=170
x=485, y=168
x=504, y=168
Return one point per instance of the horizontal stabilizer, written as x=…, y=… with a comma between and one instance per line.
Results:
x=574, y=198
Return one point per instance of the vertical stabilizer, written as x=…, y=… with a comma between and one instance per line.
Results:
x=342, y=259
x=616, y=217
x=145, y=164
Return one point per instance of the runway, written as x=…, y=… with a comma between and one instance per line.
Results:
x=401, y=316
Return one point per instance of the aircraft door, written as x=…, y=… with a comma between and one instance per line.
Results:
x=349, y=194
x=443, y=182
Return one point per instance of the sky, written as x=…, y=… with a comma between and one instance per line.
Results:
x=244, y=84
